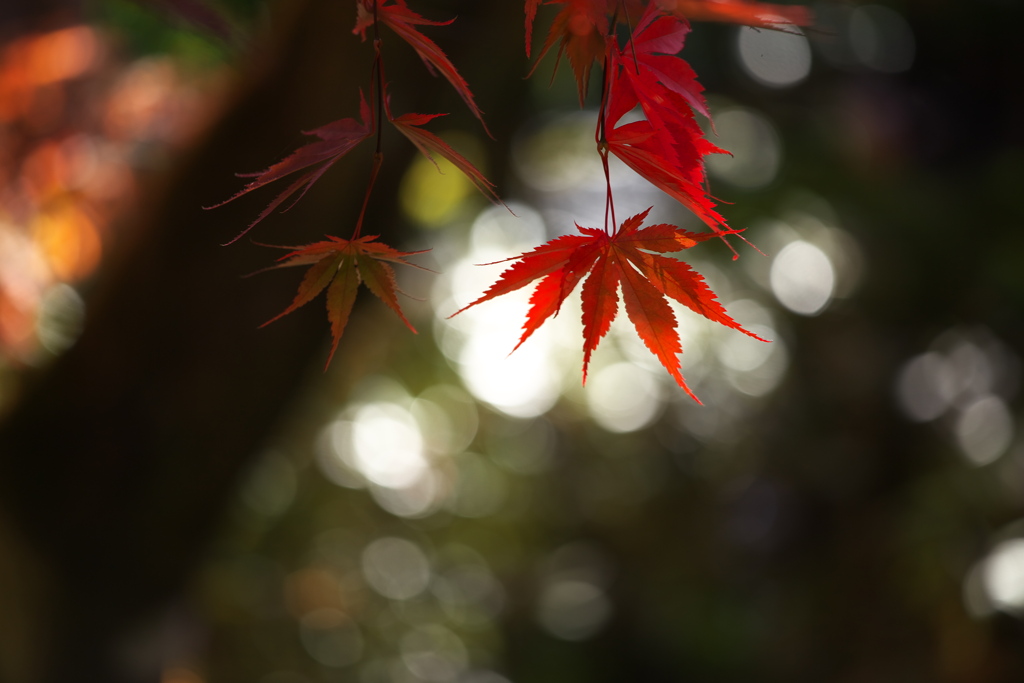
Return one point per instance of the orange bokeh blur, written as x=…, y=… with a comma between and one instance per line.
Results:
x=77, y=127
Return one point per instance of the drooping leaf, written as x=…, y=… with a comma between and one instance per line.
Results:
x=430, y=144
x=667, y=148
x=337, y=139
x=339, y=265
x=397, y=16
x=650, y=59
x=652, y=151
x=631, y=260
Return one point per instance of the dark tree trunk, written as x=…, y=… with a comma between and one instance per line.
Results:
x=116, y=462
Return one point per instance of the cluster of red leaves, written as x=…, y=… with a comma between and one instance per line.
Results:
x=582, y=27
x=339, y=265
x=666, y=147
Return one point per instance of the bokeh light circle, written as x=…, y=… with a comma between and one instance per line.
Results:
x=802, y=278
x=777, y=59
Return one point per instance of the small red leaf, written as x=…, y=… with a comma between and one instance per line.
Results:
x=667, y=148
x=402, y=20
x=429, y=144
x=650, y=58
x=336, y=140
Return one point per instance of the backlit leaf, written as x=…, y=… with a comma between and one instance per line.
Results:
x=622, y=261
x=430, y=144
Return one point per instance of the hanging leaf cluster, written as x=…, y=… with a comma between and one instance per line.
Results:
x=636, y=46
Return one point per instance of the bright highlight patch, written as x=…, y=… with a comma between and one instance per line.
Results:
x=1003, y=575
x=774, y=58
x=802, y=278
x=431, y=193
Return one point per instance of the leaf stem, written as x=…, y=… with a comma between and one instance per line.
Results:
x=378, y=161
x=378, y=71
x=377, y=78
x=632, y=47
x=602, y=147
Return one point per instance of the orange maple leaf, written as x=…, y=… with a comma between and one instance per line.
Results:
x=339, y=265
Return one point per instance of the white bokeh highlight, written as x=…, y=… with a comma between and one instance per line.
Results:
x=881, y=39
x=755, y=150
x=396, y=568
x=802, y=278
x=984, y=430
x=623, y=397
x=1002, y=576
x=776, y=59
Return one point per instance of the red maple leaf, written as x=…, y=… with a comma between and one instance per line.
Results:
x=337, y=139
x=339, y=265
x=650, y=60
x=631, y=259
x=668, y=147
x=402, y=20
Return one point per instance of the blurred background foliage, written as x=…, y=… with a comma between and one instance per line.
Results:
x=848, y=503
